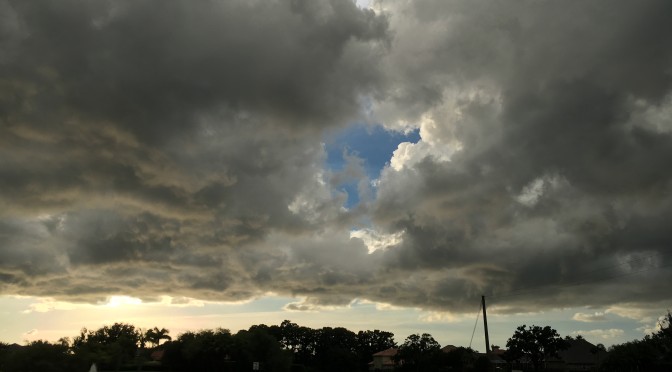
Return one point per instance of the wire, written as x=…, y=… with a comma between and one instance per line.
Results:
x=478, y=314
x=527, y=290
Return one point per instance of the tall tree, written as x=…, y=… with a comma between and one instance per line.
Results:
x=652, y=353
x=110, y=346
x=419, y=353
x=335, y=349
x=535, y=343
x=371, y=342
x=38, y=356
x=155, y=335
x=258, y=345
x=206, y=350
x=461, y=359
x=301, y=341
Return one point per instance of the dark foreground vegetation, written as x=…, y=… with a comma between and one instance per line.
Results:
x=290, y=347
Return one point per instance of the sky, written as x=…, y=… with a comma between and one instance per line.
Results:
x=371, y=165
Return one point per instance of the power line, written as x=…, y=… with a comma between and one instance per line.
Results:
x=478, y=314
x=527, y=290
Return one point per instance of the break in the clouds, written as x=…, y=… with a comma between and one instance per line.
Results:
x=170, y=148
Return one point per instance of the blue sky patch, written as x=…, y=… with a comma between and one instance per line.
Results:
x=373, y=144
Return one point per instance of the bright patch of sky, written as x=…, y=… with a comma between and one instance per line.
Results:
x=373, y=144
x=39, y=318
x=363, y=3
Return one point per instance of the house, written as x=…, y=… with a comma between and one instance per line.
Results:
x=496, y=358
x=384, y=360
x=448, y=348
x=581, y=355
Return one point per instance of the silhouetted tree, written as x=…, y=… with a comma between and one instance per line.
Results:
x=206, y=350
x=219, y=350
x=535, y=343
x=652, y=353
x=419, y=353
x=109, y=346
x=258, y=345
x=37, y=356
x=598, y=348
x=371, y=342
x=155, y=335
x=301, y=341
x=335, y=349
x=460, y=359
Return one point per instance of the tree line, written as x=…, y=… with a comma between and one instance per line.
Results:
x=284, y=347
x=294, y=348
x=535, y=345
x=124, y=347
x=651, y=353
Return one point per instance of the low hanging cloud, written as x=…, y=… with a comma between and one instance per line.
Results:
x=589, y=318
x=165, y=148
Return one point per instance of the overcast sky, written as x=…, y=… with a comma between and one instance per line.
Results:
x=370, y=165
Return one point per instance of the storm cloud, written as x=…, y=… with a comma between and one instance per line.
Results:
x=170, y=148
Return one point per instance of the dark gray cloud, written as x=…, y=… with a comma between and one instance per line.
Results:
x=560, y=175
x=151, y=148
x=170, y=138
x=152, y=66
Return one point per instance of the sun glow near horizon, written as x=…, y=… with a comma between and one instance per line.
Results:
x=47, y=319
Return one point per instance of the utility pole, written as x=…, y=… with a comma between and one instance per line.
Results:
x=485, y=325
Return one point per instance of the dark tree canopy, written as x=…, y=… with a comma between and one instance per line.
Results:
x=109, y=346
x=38, y=356
x=535, y=343
x=371, y=342
x=155, y=335
x=652, y=353
x=290, y=347
x=464, y=359
x=419, y=353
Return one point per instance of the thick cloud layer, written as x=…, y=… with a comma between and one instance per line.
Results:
x=152, y=148
x=547, y=138
x=168, y=139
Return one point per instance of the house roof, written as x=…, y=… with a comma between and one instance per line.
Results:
x=388, y=352
x=448, y=348
x=581, y=351
x=498, y=351
x=494, y=357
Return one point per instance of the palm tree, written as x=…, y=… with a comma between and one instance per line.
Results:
x=155, y=335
